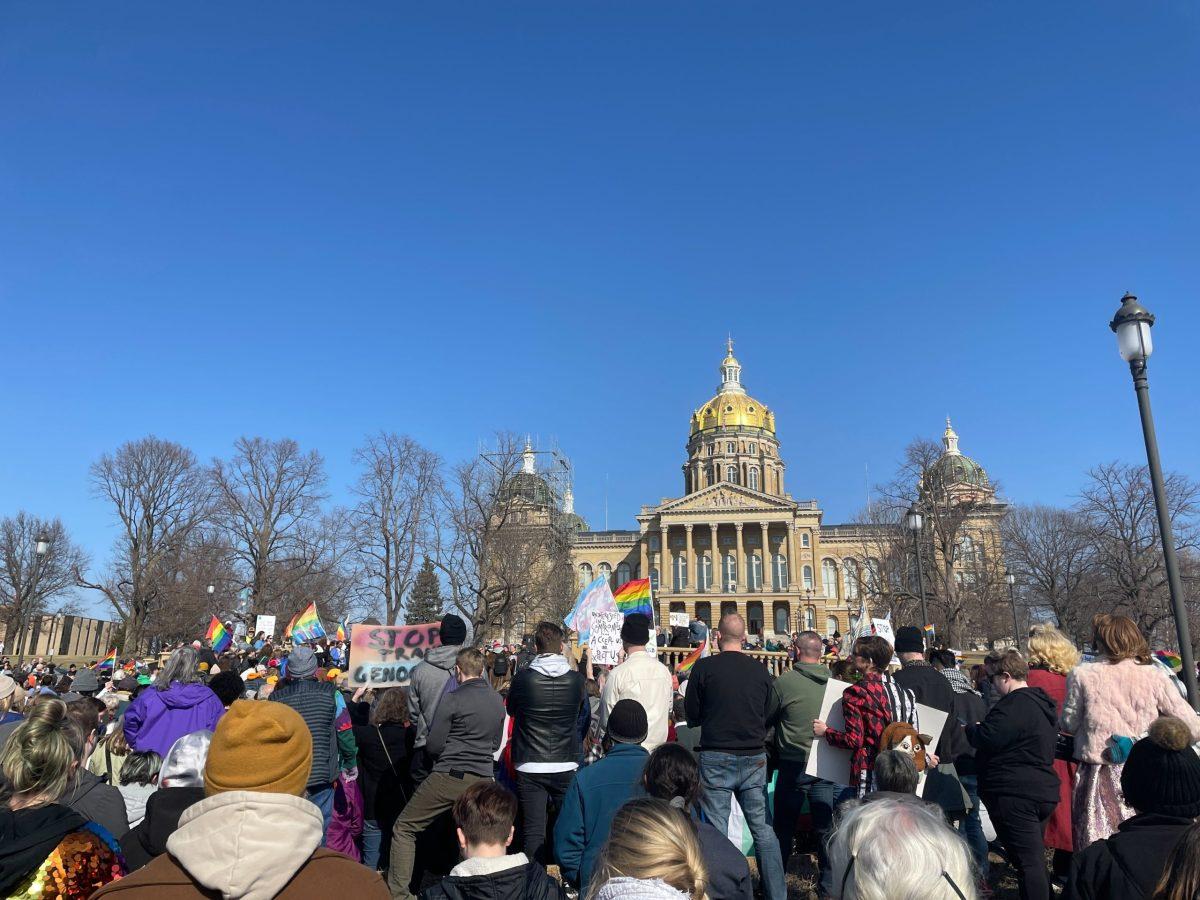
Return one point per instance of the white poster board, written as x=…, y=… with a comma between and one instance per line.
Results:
x=265, y=624
x=679, y=619
x=933, y=723
x=604, y=644
x=824, y=760
x=883, y=628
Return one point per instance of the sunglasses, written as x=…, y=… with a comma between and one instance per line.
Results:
x=946, y=875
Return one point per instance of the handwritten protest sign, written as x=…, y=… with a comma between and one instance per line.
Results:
x=679, y=620
x=265, y=624
x=384, y=655
x=605, y=645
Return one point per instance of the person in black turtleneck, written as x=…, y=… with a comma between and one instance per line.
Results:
x=1014, y=751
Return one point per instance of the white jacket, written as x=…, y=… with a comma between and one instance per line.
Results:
x=644, y=679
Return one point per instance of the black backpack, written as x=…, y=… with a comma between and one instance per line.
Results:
x=500, y=666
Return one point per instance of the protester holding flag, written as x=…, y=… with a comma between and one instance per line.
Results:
x=640, y=677
x=178, y=704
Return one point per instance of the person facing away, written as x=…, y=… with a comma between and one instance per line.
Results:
x=697, y=631
x=427, y=683
x=1181, y=878
x=1014, y=751
x=254, y=835
x=484, y=816
x=323, y=709
x=139, y=781
x=85, y=792
x=384, y=741
x=651, y=854
x=969, y=708
x=801, y=690
x=1161, y=782
x=900, y=850
x=597, y=792
x=47, y=849
x=640, y=677
x=673, y=774
x=732, y=697
x=462, y=742
x=550, y=711
x=177, y=704
x=895, y=778
x=180, y=785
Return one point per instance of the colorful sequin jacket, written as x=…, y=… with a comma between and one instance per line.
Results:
x=82, y=863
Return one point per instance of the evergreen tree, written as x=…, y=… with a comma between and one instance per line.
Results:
x=425, y=601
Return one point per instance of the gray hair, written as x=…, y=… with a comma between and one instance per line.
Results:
x=895, y=771
x=140, y=768
x=183, y=666
x=899, y=850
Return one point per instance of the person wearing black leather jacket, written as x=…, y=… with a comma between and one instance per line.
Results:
x=549, y=707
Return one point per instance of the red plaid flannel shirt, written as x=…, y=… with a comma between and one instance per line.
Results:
x=867, y=711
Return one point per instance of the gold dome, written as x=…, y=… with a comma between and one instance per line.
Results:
x=730, y=410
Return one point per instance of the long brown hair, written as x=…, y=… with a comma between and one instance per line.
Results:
x=1181, y=876
x=1119, y=638
x=391, y=707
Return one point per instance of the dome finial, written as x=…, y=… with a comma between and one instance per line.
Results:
x=527, y=458
x=568, y=501
x=950, y=440
x=731, y=371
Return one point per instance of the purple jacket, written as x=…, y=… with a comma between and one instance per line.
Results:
x=157, y=719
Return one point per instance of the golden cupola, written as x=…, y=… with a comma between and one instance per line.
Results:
x=732, y=407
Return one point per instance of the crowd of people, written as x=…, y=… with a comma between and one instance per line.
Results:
x=505, y=772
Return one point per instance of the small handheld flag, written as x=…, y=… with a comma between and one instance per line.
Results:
x=634, y=597
x=218, y=636
x=108, y=662
x=690, y=660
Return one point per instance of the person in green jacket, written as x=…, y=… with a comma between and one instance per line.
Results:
x=800, y=693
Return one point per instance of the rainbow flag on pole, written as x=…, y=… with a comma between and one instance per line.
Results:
x=218, y=636
x=307, y=626
x=108, y=662
x=634, y=597
x=342, y=630
x=700, y=652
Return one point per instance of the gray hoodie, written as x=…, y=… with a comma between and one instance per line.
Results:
x=425, y=688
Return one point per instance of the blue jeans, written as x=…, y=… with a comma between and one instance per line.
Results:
x=372, y=839
x=323, y=798
x=972, y=828
x=722, y=776
x=792, y=787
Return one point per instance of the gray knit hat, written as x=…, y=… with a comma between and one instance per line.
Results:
x=301, y=663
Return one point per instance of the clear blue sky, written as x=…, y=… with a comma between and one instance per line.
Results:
x=319, y=220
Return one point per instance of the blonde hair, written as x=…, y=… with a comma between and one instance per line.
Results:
x=38, y=755
x=651, y=839
x=1050, y=649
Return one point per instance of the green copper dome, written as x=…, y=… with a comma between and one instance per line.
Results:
x=961, y=469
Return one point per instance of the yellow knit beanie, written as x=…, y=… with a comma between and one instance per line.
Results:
x=259, y=746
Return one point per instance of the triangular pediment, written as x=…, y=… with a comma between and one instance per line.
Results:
x=726, y=496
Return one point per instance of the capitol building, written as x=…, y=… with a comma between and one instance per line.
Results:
x=736, y=540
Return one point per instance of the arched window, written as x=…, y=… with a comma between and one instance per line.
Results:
x=810, y=619
x=755, y=572
x=729, y=573
x=730, y=447
x=653, y=543
x=808, y=578
x=705, y=573
x=754, y=478
x=680, y=569
x=853, y=575
x=731, y=474
x=805, y=540
x=779, y=572
x=829, y=578
x=606, y=570
x=781, y=616
x=654, y=580
x=585, y=574
x=754, y=617
x=874, y=577
x=830, y=626
x=623, y=573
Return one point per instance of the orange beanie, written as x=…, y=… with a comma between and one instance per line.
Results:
x=259, y=746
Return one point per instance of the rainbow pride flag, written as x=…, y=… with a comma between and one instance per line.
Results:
x=108, y=662
x=342, y=630
x=218, y=636
x=287, y=632
x=307, y=626
x=1171, y=660
x=634, y=597
x=690, y=660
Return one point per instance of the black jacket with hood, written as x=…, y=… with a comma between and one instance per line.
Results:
x=148, y=838
x=1128, y=864
x=549, y=705
x=97, y=802
x=515, y=882
x=1014, y=747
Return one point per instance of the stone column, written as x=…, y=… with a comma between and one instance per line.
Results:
x=793, y=556
x=644, y=546
x=666, y=578
x=743, y=582
x=718, y=576
x=768, y=571
x=691, y=560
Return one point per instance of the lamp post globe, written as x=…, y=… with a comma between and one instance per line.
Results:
x=41, y=545
x=1132, y=324
x=1011, y=580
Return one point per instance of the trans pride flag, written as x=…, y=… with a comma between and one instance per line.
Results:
x=595, y=597
x=218, y=636
x=634, y=597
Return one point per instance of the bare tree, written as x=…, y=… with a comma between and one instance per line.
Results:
x=270, y=497
x=393, y=519
x=1051, y=551
x=1117, y=507
x=29, y=582
x=160, y=495
x=887, y=576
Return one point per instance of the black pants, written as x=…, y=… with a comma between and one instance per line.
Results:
x=791, y=789
x=537, y=791
x=1019, y=824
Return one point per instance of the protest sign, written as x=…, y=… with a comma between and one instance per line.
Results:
x=679, y=619
x=265, y=624
x=883, y=628
x=605, y=644
x=384, y=655
x=931, y=722
x=593, y=598
x=826, y=761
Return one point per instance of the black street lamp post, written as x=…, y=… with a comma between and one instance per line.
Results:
x=41, y=546
x=1132, y=325
x=913, y=520
x=1011, y=580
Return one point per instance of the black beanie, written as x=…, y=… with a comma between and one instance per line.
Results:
x=453, y=631
x=635, y=629
x=627, y=722
x=1162, y=773
x=909, y=640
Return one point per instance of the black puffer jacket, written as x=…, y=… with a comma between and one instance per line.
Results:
x=527, y=882
x=149, y=838
x=550, y=711
x=1128, y=864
